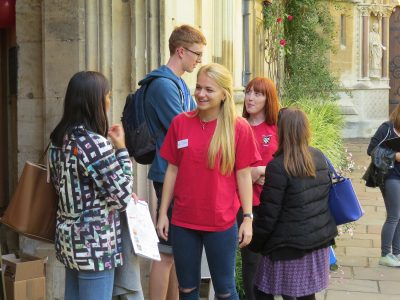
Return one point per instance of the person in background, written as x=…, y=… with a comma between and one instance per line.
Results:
x=294, y=228
x=261, y=109
x=167, y=96
x=209, y=153
x=93, y=179
x=390, y=235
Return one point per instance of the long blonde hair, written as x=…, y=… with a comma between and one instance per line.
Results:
x=223, y=141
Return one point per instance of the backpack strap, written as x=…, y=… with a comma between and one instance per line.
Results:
x=181, y=93
x=152, y=78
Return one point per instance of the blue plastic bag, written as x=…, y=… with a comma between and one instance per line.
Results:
x=332, y=256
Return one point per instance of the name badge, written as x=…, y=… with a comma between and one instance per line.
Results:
x=183, y=143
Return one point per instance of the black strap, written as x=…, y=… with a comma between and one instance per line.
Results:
x=41, y=158
x=387, y=135
x=331, y=168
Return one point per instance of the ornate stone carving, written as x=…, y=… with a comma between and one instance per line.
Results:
x=377, y=9
x=375, y=49
x=364, y=10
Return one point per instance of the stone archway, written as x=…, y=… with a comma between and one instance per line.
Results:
x=394, y=58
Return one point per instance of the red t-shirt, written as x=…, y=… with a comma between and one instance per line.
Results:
x=267, y=143
x=204, y=199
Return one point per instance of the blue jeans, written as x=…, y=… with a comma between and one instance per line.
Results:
x=220, y=249
x=390, y=236
x=85, y=285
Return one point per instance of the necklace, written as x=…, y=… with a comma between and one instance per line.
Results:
x=202, y=124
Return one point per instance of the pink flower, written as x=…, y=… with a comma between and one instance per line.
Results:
x=279, y=20
x=290, y=18
x=282, y=42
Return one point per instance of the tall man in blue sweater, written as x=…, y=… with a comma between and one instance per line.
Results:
x=166, y=97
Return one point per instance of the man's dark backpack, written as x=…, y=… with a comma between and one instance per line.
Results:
x=141, y=144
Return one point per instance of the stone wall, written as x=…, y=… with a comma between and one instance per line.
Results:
x=365, y=105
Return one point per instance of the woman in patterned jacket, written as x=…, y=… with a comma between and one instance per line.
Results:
x=94, y=183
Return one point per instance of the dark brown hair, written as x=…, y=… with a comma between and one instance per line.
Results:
x=84, y=104
x=185, y=36
x=266, y=87
x=395, y=117
x=294, y=138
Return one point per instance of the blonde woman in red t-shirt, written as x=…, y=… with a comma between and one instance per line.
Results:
x=261, y=109
x=210, y=153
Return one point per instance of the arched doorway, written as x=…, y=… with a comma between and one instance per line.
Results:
x=394, y=58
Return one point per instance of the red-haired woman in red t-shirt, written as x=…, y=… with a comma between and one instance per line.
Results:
x=261, y=109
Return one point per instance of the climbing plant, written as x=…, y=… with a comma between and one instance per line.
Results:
x=300, y=34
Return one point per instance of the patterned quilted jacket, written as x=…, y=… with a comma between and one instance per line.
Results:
x=93, y=182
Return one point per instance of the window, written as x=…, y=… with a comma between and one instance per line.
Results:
x=342, y=31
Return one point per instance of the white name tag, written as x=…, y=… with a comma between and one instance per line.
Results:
x=183, y=143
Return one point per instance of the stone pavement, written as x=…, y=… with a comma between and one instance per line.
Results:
x=359, y=275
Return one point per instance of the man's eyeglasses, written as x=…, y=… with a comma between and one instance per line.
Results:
x=199, y=54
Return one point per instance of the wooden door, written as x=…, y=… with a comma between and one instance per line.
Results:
x=394, y=58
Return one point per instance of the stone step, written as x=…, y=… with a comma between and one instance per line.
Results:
x=380, y=273
x=350, y=295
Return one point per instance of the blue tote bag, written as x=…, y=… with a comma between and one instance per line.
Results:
x=343, y=201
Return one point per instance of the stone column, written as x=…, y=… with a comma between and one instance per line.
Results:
x=227, y=46
x=91, y=35
x=223, y=33
x=105, y=37
x=365, y=44
x=29, y=135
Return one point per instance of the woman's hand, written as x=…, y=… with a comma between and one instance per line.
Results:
x=135, y=198
x=256, y=173
x=117, y=136
x=397, y=157
x=245, y=232
x=260, y=180
x=163, y=226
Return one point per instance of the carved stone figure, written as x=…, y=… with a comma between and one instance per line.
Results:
x=375, y=48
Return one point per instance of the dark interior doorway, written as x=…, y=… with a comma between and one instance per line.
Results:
x=8, y=114
x=8, y=129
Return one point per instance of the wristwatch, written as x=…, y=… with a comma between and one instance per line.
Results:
x=248, y=216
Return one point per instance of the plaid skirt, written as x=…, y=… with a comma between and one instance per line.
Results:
x=296, y=278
